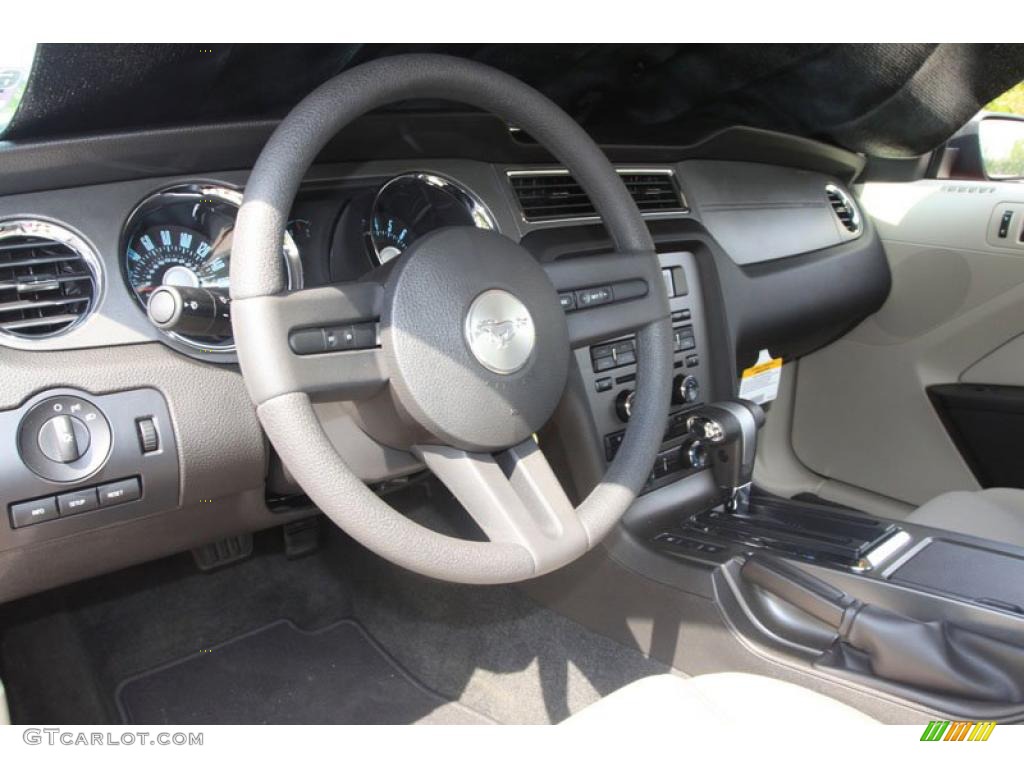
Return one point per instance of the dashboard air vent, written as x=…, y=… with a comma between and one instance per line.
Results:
x=844, y=208
x=550, y=195
x=49, y=279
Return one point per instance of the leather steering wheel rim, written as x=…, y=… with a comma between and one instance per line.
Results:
x=284, y=401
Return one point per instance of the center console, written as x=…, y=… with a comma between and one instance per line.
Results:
x=928, y=616
x=609, y=371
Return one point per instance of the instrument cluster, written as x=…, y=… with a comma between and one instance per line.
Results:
x=176, y=245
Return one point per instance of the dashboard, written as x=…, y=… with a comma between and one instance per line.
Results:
x=126, y=432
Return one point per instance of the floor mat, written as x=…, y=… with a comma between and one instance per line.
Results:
x=283, y=674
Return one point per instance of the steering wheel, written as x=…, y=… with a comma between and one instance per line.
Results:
x=474, y=347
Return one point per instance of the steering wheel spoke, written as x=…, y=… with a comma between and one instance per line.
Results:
x=514, y=497
x=612, y=294
x=321, y=341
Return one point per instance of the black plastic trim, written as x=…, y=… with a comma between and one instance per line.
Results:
x=986, y=424
x=791, y=306
x=73, y=162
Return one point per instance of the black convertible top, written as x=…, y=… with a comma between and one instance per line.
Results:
x=889, y=100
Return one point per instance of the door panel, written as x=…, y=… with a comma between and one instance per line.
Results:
x=862, y=414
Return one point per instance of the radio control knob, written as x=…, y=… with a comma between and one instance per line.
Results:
x=624, y=404
x=685, y=390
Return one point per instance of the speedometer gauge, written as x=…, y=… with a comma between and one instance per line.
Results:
x=172, y=255
x=409, y=206
x=182, y=237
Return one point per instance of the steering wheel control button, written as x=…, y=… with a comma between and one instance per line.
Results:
x=63, y=439
x=568, y=301
x=308, y=341
x=343, y=338
x=500, y=332
x=592, y=297
x=32, y=512
x=149, y=439
x=629, y=289
x=120, y=492
x=77, y=501
x=339, y=338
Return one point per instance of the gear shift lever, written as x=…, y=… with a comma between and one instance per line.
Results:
x=729, y=431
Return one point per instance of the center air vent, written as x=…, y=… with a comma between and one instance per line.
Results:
x=49, y=279
x=844, y=208
x=550, y=195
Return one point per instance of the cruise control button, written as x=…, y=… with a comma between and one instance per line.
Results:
x=120, y=492
x=31, y=512
x=347, y=337
x=77, y=501
x=308, y=341
x=590, y=297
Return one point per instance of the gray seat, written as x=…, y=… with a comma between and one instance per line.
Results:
x=995, y=513
x=728, y=698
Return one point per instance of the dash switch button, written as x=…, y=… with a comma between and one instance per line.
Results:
x=30, y=512
x=149, y=440
x=120, y=492
x=77, y=501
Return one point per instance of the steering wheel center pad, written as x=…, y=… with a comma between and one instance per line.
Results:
x=434, y=374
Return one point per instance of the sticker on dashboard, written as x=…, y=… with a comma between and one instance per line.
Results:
x=760, y=382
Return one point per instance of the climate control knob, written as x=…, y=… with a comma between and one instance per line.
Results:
x=624, y=404
x=685, y=390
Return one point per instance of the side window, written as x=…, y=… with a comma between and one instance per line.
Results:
x=1001, y=136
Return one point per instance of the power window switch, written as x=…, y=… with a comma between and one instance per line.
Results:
x=1004, y=224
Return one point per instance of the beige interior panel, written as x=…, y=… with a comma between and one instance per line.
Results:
x=861, y=414
x=779, y=471
x=1003, y=366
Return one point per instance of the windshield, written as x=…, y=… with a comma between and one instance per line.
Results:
x=15, y=65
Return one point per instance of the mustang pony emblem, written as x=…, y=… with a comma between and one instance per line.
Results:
x=500, y=332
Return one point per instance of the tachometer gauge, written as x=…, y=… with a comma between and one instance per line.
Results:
x=182, y=237
x=411, y=205
x=390, y=236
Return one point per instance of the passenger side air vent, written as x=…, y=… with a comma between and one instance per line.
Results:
x=550, y=195
x=844, y=208
x=49, y=279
